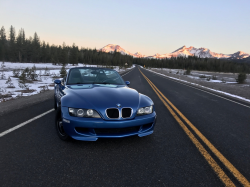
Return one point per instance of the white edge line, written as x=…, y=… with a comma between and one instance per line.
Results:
x=180, y=82
x=24, y=123
x=128, y=72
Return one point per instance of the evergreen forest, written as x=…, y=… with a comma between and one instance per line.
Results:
x=16, y=47
x=195, y=63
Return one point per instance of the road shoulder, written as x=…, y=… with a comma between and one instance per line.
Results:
x=220, y=93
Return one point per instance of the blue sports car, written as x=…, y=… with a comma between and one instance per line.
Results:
x=94, y=103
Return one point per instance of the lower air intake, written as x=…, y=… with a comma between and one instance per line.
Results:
x=117, y=130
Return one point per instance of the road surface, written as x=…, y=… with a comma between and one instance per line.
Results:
x=199, y=140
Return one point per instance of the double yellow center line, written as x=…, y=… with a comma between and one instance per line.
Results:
x=218, y=170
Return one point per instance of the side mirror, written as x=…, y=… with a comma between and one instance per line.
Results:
x=127, y=82
x=57, y=81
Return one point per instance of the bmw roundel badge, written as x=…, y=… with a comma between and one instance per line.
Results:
x=118, y=105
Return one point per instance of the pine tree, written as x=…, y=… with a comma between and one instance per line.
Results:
x=40, y=75
x=12, y=44
x=63, y=71
x=36, y=48
x=241, y=78
x=2, y=44
x=16, y=72
x=43, y=52
x=29, y=49
x=32, y=73
x=74, y=55
x=2, y=65
x=63, y=59
x=20, y=45
x=46, y=71
x=9, y=83
x=22, y=83
x=2, y=75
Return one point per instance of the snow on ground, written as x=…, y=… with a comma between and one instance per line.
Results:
x=232, y=95
x=11, y=65
x=197, y=75
x=44, y=82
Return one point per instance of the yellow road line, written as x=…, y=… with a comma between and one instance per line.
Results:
x=214, y=165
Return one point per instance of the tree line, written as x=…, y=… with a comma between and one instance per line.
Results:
x=195, y=63
x=19, y=48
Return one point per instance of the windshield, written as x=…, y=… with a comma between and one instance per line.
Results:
x=94, y=76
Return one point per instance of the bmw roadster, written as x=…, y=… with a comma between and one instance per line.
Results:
x=94, y=103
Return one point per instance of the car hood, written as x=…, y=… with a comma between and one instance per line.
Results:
x=101, y=97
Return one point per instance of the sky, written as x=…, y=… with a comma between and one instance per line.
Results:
x=150, y=27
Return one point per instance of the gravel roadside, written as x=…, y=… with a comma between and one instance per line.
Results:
x=23, y=102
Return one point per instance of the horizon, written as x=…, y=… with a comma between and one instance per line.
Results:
x=146, y=27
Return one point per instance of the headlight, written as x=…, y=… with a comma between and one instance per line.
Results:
x=90, y=112
x=87, y=113
x=80, y=113
x=145, y=110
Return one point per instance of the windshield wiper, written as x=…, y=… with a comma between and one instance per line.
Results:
x=101, y=83
x=78, y=83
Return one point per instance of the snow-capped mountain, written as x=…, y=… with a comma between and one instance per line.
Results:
x=183, y=51
x=239, y=55
x=157, y=55
x=199, y=52
x=111, y=48
x=139, y=55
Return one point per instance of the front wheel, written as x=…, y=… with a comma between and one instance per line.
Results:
x=55, y=103
x=59, y=126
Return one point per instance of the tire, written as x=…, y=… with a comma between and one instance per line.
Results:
x=59, y=127
x=55, y=103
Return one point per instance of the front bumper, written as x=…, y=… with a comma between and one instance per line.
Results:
x=90, y=129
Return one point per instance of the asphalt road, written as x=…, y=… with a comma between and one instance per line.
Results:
x=33, y=155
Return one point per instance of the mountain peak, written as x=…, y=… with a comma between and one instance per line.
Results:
x=110, y=44
x=179, y=49
x=157, y=54
x=241, y=52
x=240, y=55
x=138, y=54
x=113, y=47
